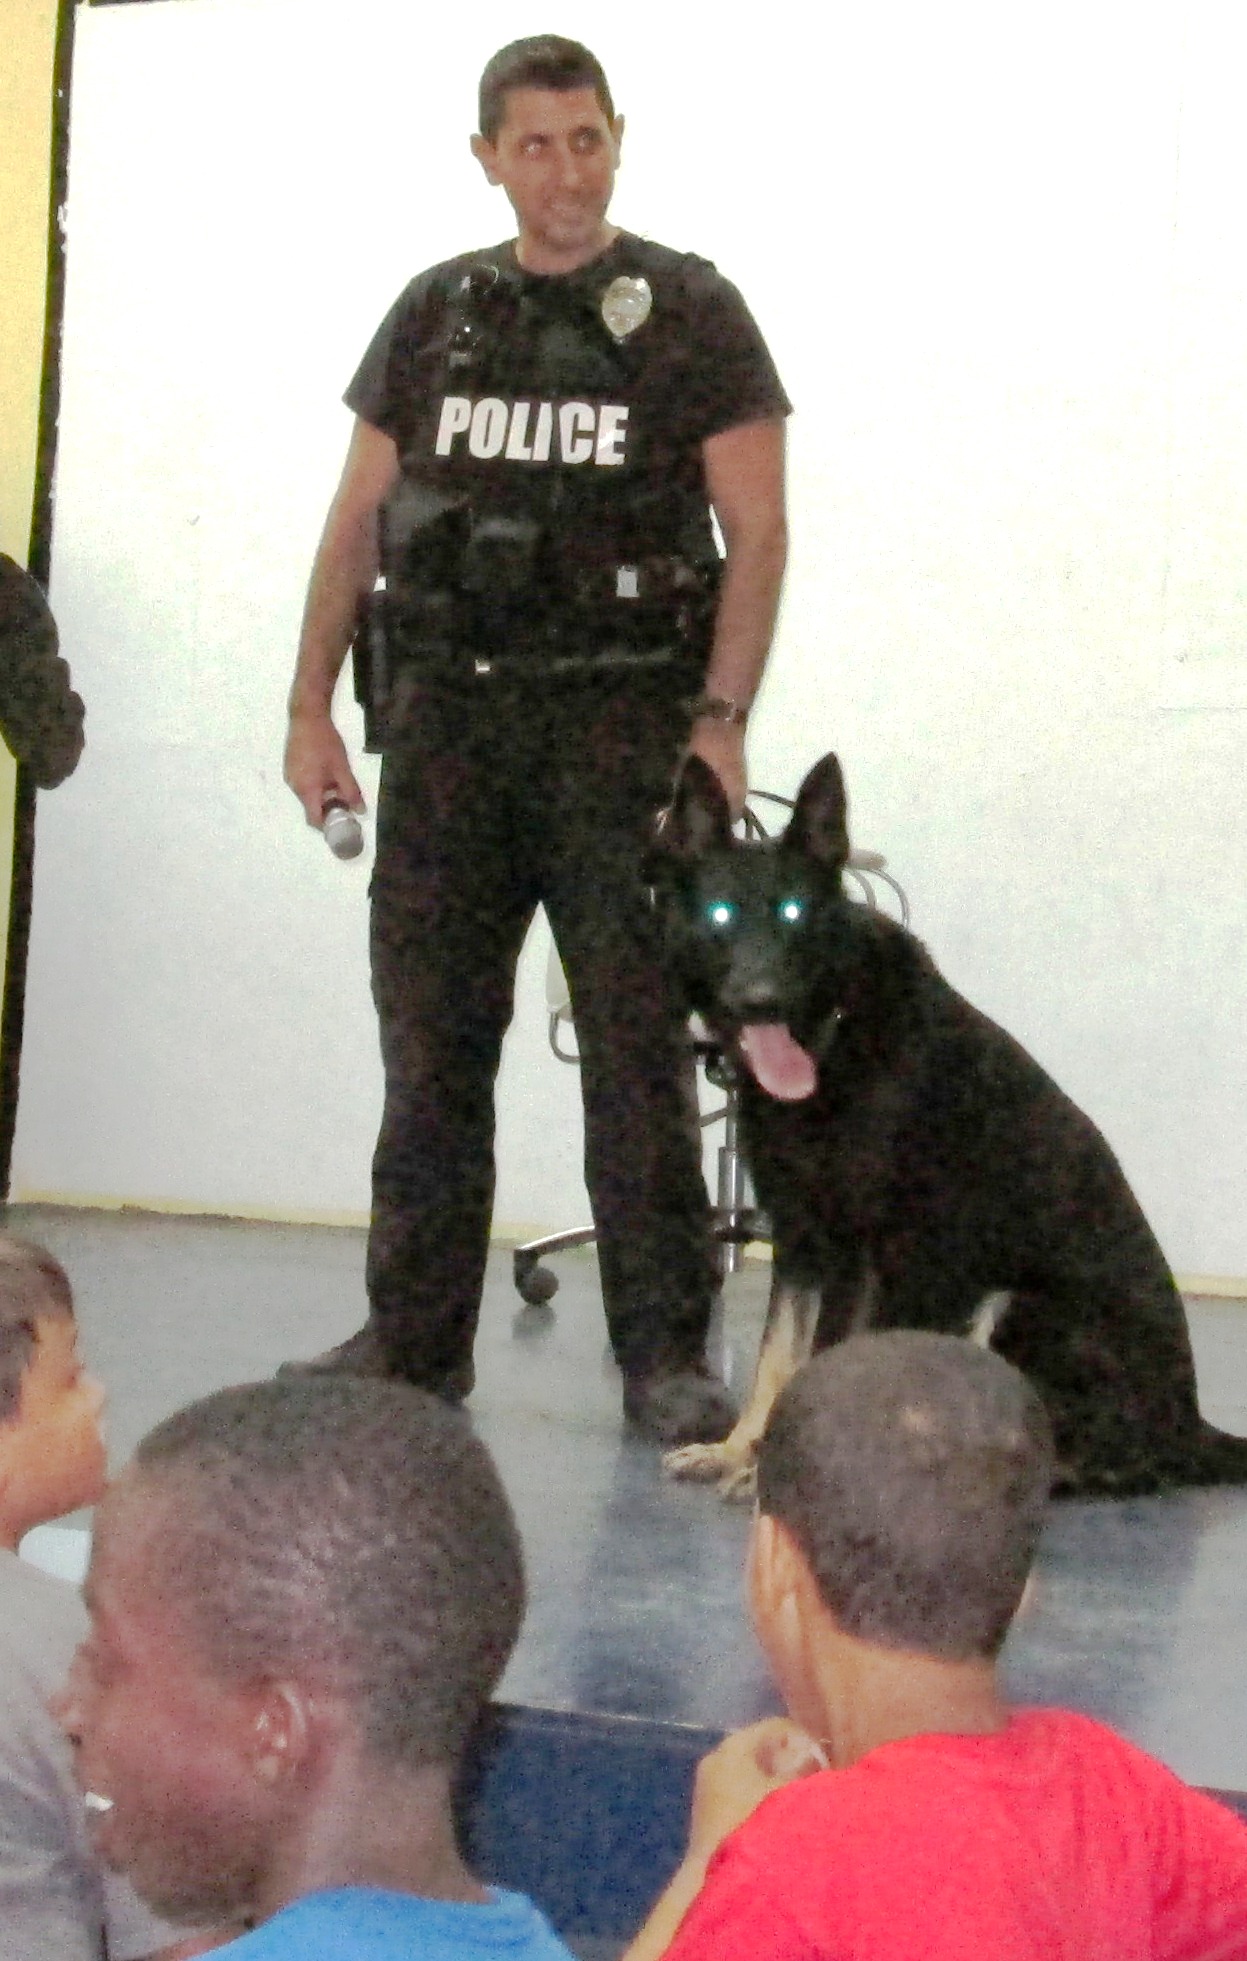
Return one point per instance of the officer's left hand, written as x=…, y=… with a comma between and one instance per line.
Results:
x=722, y=745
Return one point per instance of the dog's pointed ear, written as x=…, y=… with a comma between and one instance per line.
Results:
x=820, y=816
x=697, y=818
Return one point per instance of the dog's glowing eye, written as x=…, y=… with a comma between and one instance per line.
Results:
x=791, y=910
x=720, y=912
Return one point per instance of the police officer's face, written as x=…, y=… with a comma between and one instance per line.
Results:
x=555, y=156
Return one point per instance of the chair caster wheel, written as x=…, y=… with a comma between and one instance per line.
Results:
x=535, y=1285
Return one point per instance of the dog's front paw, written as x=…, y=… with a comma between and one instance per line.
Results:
x=731, y=1466
x=740, y=1487
x=699, y=1463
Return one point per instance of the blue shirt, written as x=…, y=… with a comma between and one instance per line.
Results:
x=363, y=1923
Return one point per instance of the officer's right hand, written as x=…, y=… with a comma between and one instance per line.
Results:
x=317, y=769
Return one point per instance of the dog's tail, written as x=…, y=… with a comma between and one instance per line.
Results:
x=1217, y=1457
x=1202, y=1455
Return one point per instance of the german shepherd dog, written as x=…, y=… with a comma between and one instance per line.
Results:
x=918, y=1168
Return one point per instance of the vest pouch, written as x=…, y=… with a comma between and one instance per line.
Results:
x=653, y=599
x=499, y=560
x=649, y=582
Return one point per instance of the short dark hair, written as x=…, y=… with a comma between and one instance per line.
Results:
x=33, y=1283
x=350, y=1529
x=542, y=61
x=913, y=1471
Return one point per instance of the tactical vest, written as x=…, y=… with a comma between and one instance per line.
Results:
x=535, y=524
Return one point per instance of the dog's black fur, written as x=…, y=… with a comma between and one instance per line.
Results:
x=932, y=1163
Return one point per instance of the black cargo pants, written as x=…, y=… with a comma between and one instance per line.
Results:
x=496, y=796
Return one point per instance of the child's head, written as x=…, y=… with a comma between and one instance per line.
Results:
x=911, y=1471
x=52, y=1455
x=295, y=1583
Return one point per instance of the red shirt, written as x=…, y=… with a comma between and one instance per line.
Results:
x=1053, y=1840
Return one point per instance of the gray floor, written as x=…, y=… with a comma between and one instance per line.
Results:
x=636, y=1610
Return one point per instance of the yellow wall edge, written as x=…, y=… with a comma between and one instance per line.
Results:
x=27, y=69
x=1212, y=1286
x=181, y=1208
x=28, y=37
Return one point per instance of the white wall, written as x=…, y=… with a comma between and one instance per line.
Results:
x=998, y=255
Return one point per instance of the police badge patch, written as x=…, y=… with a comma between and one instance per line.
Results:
x=626, y=305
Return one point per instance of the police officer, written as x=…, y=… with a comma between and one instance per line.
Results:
x=542, y=432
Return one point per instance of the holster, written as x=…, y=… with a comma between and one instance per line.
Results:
x=372, y=669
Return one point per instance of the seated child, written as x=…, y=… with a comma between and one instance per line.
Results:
x=906, y=1810
x=41, y=717
x=302, y=1593
x=55, y=1903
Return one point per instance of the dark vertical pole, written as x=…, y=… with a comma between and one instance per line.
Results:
x=12, y=1014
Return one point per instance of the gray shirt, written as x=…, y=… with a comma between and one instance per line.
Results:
x=40, y=715
x=56, y=1903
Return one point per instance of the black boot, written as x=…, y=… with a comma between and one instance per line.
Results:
x=366, y=1354
x=679, y=1405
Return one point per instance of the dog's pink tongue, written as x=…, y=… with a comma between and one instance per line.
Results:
x=779, y=1064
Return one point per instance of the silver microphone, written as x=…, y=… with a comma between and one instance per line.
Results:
x=343, y=832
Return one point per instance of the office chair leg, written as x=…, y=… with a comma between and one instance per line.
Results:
x=536, y=1284
x=730, y=1207
x=736, y=1222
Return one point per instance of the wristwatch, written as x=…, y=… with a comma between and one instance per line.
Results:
x=720, y=708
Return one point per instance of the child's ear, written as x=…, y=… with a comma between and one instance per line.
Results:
x=775, y=1566
x=784, y=1599
x=278, y=1731
x=9, y=1531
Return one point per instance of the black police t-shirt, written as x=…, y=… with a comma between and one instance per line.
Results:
x=695, y=366
x=550, y=428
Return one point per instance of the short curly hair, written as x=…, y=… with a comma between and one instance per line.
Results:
x=913, y=1471
x=350, y=1530
x=33, y=1283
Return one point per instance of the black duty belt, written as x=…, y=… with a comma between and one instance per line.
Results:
x=539, y=663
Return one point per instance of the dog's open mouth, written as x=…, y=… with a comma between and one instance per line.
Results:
x=777, y=1062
